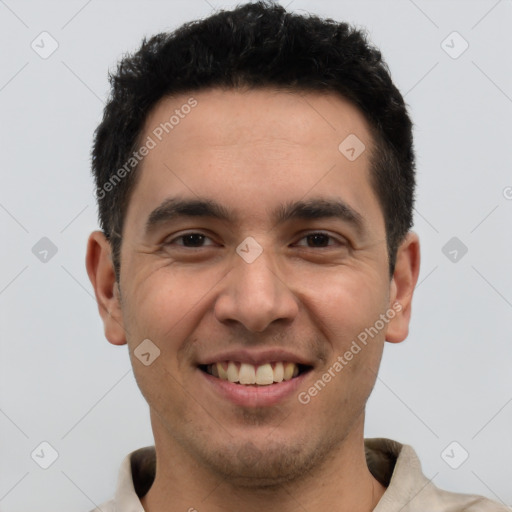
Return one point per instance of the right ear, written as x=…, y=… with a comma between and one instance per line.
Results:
x=100, y=269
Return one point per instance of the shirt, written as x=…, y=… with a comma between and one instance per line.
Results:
x=394, y=465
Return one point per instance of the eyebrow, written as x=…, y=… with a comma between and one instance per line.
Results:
x=174, y=208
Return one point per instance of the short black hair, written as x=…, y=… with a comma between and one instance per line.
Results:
x=256, y=45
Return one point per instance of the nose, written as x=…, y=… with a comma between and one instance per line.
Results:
x=254, y=295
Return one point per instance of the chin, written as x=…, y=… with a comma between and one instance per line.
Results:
x=263, y=466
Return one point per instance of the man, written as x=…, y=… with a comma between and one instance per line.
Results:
x=255, y=181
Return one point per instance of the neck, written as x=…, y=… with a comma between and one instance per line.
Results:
x=341, y=483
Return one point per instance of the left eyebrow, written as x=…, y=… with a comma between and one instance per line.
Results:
x=320, y=208
x=316, y=208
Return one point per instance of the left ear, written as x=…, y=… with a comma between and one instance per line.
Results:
x=403, y=282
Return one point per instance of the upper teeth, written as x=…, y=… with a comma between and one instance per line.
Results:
x=245, y=373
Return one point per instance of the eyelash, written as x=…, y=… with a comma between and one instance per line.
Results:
x=170, y=242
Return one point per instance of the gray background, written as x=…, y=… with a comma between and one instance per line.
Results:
x=63, y=383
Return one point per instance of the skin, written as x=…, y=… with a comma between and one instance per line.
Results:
x=252, y=151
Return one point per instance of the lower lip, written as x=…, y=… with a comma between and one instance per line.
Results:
x=254, y=396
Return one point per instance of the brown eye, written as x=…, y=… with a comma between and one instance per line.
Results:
x=191, y=240
x=320, y=240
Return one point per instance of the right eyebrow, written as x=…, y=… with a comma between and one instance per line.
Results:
x=174, y=207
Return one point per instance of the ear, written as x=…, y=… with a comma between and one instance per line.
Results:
x=100, y=268
x=403, y=282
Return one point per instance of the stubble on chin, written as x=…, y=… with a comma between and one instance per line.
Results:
x=266, y=463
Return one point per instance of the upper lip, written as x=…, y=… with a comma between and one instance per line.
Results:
x=255, y=357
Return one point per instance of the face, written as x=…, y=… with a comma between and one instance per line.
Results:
x=253, y=259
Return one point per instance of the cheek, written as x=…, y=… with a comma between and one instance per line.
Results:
x=345, y=301
x=166, y=305
x=347, y=308
x=161, y=307
x=160, y=299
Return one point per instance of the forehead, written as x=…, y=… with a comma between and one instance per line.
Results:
x=234, y=116
x=234, y=144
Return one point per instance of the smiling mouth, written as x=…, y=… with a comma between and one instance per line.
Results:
x=247, y=374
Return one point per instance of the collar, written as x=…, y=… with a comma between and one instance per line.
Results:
x=394, y=465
